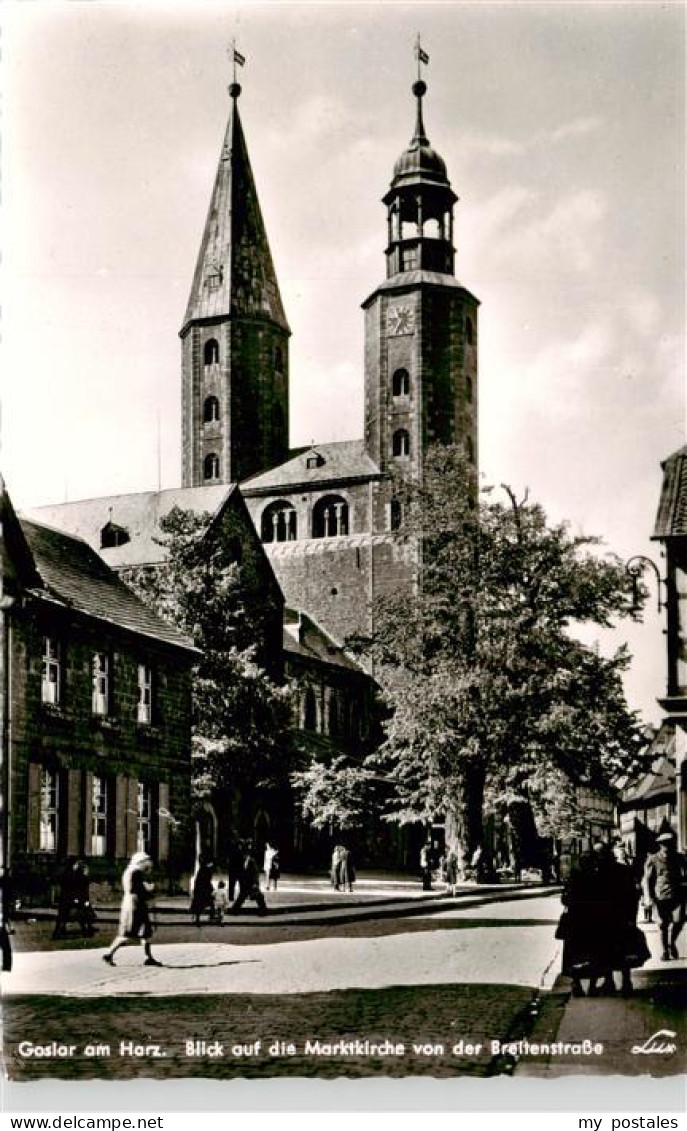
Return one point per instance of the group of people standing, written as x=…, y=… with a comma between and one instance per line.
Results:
x=342, y=869
x=599, y=924
x=243, y=883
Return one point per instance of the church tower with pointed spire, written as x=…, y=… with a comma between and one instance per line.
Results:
x=420, y=323
x=235, y=361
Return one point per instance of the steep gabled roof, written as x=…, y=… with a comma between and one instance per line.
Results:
x=671, y=520
x=73, y=575
x=660, y=779
x=234, y=272
x=329, y=463
x=138, y=515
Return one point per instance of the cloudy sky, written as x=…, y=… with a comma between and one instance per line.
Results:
x=562, y=126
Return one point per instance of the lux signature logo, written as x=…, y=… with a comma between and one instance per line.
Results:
x=657, y=1044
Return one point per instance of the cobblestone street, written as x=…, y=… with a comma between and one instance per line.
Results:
x=430, y=989
x=427, y=981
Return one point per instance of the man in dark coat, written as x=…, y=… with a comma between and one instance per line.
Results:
x=74, y=900
x=249, y=884
x=601, y=902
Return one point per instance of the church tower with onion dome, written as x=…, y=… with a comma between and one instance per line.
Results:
x=235, y=337
x=420, y=323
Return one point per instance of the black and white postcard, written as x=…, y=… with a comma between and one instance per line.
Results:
x=343, y=623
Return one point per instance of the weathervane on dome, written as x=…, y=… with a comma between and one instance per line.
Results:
x=421, y=56
x=237, y=59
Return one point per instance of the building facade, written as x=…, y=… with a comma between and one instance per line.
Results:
x=96, y=710
x=326, y=518
x=327, y=515
x=671, y=531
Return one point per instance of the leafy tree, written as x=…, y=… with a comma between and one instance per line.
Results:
x=241, y=714
x=336, y=794
x=492, y=700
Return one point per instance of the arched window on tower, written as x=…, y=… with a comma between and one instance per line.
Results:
x=469, y=331
x=468, y=390
x=470, y=449
x=330, y=517
x=211, y=352
x=400, y=443
x=211, y=467
x=279, y=522
x=278, y=359
x=210, y=410
x=400, y=383
x=395, y=514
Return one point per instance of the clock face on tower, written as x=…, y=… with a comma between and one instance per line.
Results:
x=401, y=320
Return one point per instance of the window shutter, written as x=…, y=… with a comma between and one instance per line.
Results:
x=74, y=839
x=131, y=816
x=121, y=816
x=163, y=823
x=33, y=832
x=88, y=814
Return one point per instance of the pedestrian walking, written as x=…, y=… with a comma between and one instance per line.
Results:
x=665, y=879
x=337, y=859
x=346, y=869
x=271, y=866
x=6, y=905
x=234, y=866
x=202, y=898
x=249, y=884
x=598, y=927
x=134, y=921
x=452, y=871
x=74, y=900
x=426, y=866
x=220, y=901
x=8, y=901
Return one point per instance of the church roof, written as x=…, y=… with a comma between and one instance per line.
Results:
x=73, y=575
x=319, y=464
x=410, y=279
x=304, y=638
x=136, y=517
x=671, y=520
x=234, y=272
x=420, y=161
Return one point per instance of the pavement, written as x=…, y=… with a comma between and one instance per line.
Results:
x=329, y=962
x=467, y=985
x=308, y=899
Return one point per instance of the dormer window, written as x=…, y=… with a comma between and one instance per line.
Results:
x=214, y=282
x=314, y=460
x=113, y=535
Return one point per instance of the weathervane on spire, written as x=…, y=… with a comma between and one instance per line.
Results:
x=237, y=59
x=421, y=56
